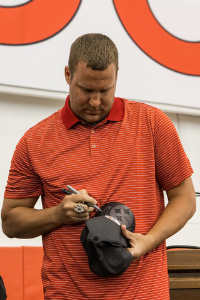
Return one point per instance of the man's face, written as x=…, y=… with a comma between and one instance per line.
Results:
x=91, y=92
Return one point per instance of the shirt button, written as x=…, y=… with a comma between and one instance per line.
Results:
x=92, y=130
x=93, y=146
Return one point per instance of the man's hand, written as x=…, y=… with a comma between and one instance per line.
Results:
x=139, y=243
x=65, y=210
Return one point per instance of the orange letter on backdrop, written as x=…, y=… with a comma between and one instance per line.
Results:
x=35, y=21
x=38, y=20
x=169, y=51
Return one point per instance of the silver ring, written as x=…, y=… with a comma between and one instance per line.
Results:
x=79, y=208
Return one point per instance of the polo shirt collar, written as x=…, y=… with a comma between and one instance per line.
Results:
x=69, y=118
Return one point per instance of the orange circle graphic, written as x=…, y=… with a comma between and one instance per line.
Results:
x=175, y=54
x=35, y=21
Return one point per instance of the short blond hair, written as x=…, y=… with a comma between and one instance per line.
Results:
x=96, y=49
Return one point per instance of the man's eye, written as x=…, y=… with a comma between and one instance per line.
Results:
x=86, y=90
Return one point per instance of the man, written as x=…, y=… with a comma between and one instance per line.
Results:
x=110, y=149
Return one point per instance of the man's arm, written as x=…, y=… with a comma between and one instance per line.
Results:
x=21, y=220
x=181, y=207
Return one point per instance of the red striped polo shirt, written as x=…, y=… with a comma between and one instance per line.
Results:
x=130, y=157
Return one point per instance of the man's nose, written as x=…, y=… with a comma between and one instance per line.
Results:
x=95, y=99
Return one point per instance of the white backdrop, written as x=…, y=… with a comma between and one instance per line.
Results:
x=41, y=65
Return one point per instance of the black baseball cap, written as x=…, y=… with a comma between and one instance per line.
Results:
x=103, y=241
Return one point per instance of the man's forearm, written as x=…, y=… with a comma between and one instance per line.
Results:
x=181, y=207
x=25, y=222
x=176, y=214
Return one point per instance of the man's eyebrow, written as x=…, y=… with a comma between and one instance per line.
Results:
x=85, y=88
x=90, y=90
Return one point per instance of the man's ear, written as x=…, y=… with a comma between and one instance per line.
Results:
x=117, y=73
x=67, y=75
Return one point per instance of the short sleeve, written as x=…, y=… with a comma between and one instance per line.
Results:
x=22, y=182
x=171, y=162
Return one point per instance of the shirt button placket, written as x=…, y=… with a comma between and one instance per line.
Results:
x=93, y=144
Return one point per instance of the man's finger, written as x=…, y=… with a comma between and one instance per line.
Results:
x=125, y=232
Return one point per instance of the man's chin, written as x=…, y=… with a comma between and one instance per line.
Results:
x=93, y=119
